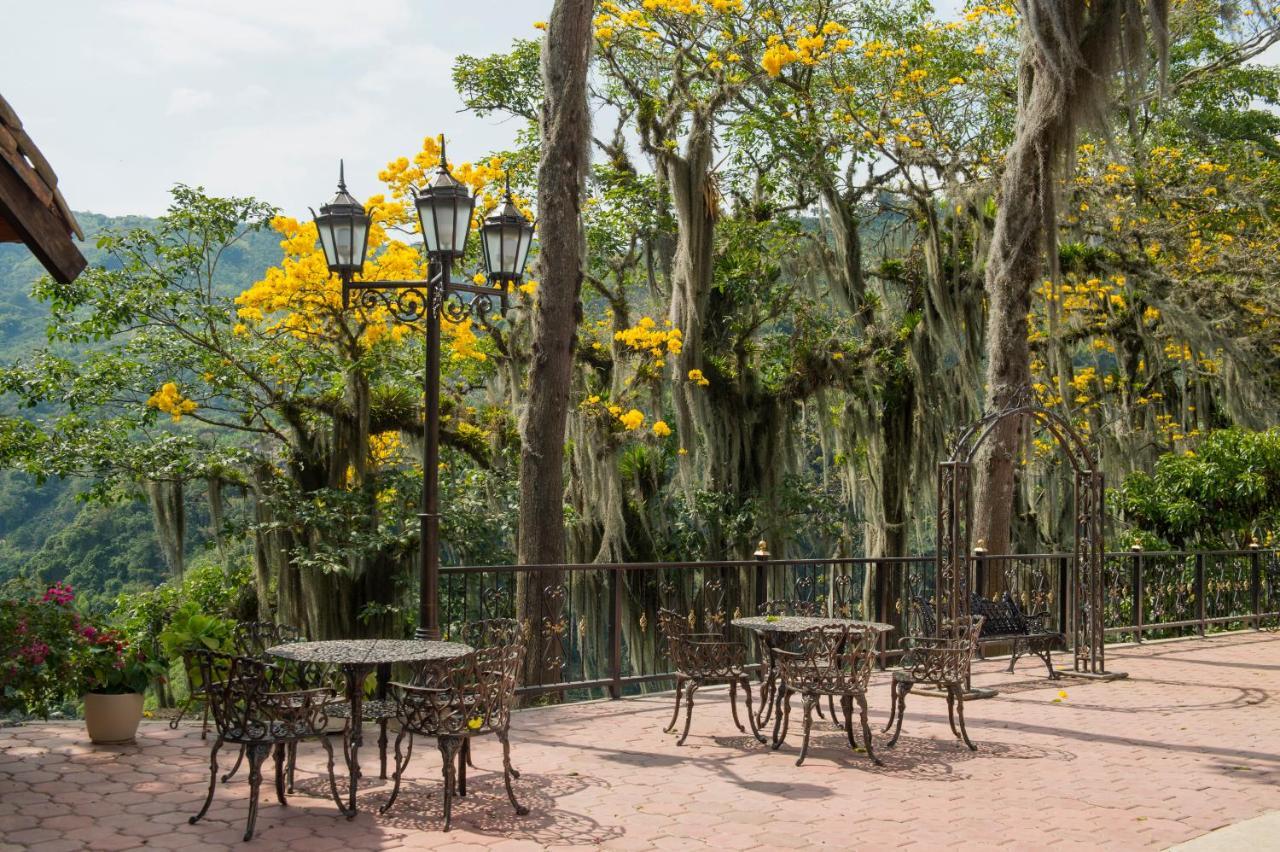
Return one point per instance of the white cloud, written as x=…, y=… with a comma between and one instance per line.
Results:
x=247, y=97
x=184, y=101
x=195, y=32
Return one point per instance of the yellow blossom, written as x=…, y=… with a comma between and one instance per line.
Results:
x=171, y=401
x=661, y=429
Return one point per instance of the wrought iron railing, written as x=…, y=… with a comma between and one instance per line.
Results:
x=593, y=627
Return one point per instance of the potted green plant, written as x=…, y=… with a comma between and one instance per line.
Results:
x=115, y=676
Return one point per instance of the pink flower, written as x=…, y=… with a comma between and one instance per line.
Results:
x=89, y=631
x=60, y=593
x=35, y=653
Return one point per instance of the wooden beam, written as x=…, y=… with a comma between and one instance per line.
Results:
x=40, y=228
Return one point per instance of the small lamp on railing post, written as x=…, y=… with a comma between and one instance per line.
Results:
x=343, y=226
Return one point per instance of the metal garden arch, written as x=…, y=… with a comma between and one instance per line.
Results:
x=955, y=521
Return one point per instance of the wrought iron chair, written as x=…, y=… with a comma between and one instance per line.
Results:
x=938, y=662
x=249, y=639
x=834, y=661
x=701, y=658
x=487, y=633
x=252, y=639
x=782, y=606
x=251, y=709
x=468, y=698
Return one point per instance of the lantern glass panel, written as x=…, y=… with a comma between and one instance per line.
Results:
x=462, y=223
x=325, y=229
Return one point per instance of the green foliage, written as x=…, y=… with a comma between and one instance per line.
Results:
x=509, y=82
x=1223, y=494
x=189, y=629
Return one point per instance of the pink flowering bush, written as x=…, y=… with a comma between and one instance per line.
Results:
x=50, y=653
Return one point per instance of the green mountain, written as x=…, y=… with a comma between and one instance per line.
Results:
x=47, y=531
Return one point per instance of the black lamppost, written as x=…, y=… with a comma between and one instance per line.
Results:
x=444, y=211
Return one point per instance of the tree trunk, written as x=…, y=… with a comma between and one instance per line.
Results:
x=565, y=138
x=1014, y=264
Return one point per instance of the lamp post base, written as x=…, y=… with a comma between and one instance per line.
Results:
x=422, y=634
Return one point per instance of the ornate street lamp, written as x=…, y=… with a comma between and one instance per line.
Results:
x=444, y=211
x=344, y=234
x=506, y=237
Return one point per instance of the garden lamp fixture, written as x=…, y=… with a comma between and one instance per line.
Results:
x=444, y=211
x=444, y=208
x=506, y=237
x=343, y=226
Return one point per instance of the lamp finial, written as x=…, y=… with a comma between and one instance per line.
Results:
x=342, y=177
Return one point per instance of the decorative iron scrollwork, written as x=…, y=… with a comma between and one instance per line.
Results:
x=554, y=626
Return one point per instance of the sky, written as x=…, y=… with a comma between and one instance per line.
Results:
x=128, y=97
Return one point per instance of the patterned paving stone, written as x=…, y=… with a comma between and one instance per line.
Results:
x=1188, y=744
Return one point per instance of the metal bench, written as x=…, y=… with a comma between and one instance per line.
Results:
x=1004, y=621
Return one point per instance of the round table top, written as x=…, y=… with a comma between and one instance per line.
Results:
x=797, y=623
x=370, y=651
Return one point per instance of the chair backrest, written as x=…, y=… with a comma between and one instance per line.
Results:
x=250, y=702
x=253, y=638
x=924, y=612
x=468, y=696
x=492, y=632
x=1003, y=617
x=834, y=659
x=787, y=606
x=233, y=687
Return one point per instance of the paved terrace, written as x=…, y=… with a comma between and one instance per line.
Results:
x=1190, y=743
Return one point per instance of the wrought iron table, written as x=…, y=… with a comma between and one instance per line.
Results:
x=774, y=630
x=357, y=658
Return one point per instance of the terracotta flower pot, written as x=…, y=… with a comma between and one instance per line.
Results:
x=112, y=718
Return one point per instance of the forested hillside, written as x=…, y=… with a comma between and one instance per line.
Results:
x=48, y=530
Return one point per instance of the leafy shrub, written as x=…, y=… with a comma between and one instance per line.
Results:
x=1223, y=494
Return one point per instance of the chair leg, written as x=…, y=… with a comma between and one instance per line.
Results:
x=278, y=755
x=508, y=773
x=333, y=780
x=903, y=688
x=831, y=705
x=462, y=768
x=449, y=751
x=401, y=763
x=204, y=722
x=382, y=748
x=1015, y=652
x=688, y=710
x=466, y=753
x=733, y=704
x=964, y=735
x=182, y=711
x=236, y=768
x=811, y=703
x=951, y=711
x=213, y=781
x=1046, y=653
x=293, y=763
x=751, y=716
x=866, y=731
x=846, y=704
x=676, y=715
x=784, y=719
x=768, y=693
x=818, y=707
x=257, y=756
x=893, y=705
